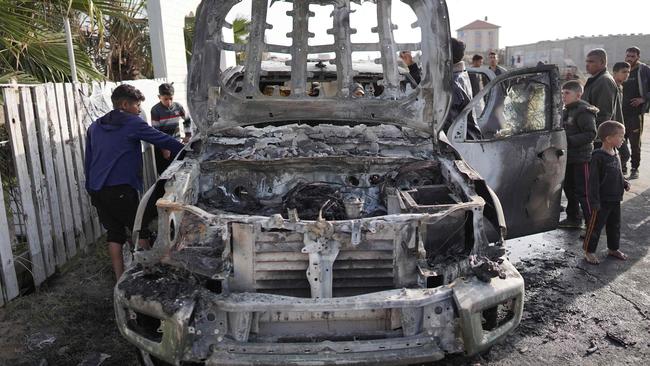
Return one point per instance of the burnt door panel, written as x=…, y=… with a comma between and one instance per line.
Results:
x=522, y=153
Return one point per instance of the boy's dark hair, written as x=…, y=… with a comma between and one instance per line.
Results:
x=477, y=57
x=126, y=92
x=166, y=89
x=457, y=50
x=573, y=85
x=492, y=53
x=620, y=66
x=599, y=53
x=609, y=128
x=634, y=49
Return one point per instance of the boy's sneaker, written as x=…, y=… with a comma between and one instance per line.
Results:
x=570, y=223
x=634, y=174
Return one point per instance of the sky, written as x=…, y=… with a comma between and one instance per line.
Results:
x=521, y=21
x=552, y=19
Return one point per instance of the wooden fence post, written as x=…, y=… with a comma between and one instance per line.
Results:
x=80, y=236
x=58, y=157
x=7, y=269
x=39, y=184
x=24, y=182
x=84, y=122
x=78, y=165
x=48, y=152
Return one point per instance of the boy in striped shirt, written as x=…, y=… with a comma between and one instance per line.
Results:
x=166, y=117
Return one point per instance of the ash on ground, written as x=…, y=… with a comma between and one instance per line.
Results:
x=303, y=140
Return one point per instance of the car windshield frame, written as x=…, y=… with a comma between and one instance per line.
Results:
x=216, y=106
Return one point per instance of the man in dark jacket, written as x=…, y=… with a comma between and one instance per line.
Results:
x=600, y=89
x=579, y=119
x=636, y=102
x=493, y=60
x=113, y=164
x=478, y=80
x=620, y=73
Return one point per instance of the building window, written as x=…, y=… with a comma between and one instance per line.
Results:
x=477, y=40
x=491, y=43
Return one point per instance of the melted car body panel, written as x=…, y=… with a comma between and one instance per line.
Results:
x=521, y=118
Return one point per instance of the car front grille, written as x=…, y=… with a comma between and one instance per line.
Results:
x=280, y=266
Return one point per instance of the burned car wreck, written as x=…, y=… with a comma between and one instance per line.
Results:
x=323, y=229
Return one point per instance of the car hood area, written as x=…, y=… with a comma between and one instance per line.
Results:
x=222, y=97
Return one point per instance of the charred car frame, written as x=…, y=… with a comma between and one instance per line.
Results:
x=331, y=229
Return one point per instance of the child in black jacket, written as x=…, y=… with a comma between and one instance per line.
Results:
x=579, y=120
x=606, y=187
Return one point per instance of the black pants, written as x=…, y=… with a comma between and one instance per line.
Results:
x=609, y=217
x=633, y=132
x=576, y=180
x=117, y=207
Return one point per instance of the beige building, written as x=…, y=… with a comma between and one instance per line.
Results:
x=571, y=52
x=479, y=37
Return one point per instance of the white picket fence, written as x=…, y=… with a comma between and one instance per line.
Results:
x=47, y=127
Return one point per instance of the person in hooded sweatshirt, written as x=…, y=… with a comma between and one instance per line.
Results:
x=113, y=164
x=579, y=120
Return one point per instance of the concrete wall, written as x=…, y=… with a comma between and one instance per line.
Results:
x=572, y=51
x=166, y=23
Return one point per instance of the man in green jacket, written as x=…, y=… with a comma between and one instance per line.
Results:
x=636, y=102
x=601, y=90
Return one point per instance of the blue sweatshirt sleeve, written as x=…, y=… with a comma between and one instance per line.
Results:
x=88, y=156
x=158, y=139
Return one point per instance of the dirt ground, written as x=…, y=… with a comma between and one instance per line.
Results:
x=574, y=313
x=69, y=321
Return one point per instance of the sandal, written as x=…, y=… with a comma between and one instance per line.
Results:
x=617, y=254
x=591, y=259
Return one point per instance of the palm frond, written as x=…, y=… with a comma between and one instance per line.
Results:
x=32, y=46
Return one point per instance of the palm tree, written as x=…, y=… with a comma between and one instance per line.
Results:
x=241, y=31
x=128, y=55
x=32, y=43
x=240, y=28
x=188, y=32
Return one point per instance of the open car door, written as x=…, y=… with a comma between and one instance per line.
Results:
x=521, y=154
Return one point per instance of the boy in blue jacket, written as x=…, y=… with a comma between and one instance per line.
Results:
x=113, y=164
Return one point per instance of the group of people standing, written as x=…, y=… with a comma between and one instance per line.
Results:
x=113, y=160
x=600, y=119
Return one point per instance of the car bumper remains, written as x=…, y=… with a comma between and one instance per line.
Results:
x=179, y=324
